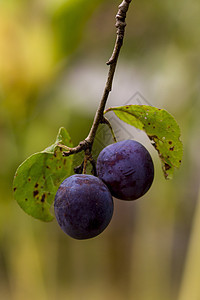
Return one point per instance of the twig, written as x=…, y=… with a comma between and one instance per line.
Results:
x=86, y=144
x=120, y=25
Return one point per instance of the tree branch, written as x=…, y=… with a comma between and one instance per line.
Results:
x=86, y=144
x=120, y=25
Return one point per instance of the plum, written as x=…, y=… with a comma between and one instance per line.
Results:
x=83, y=206
x=127, y=169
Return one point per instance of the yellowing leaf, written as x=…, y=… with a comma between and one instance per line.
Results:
x=161, y=128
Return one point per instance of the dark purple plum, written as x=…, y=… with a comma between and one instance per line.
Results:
x=126, y=168
x=83, y=206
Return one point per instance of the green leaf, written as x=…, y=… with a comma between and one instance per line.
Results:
x=160, y=127
x=38, y=178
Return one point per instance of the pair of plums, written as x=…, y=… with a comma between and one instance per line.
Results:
x=83, y=203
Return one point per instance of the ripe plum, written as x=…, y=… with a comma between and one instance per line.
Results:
x=126, y=168
x=83, y=206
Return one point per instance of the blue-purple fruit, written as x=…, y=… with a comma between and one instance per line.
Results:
x=126, y=168
x=83, y=206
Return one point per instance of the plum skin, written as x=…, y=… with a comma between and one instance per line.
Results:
x=83, y=206
x=127, y=169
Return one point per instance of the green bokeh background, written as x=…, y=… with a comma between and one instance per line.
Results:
x=52, y=74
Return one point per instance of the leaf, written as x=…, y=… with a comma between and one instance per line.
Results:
x=37, y=179
x=160, y=127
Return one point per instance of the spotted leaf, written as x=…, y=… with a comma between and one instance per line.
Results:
x=39, y=176
x=161, y=128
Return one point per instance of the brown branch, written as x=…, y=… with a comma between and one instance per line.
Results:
x=120, y=25
x=83, y=145
x=86, y=144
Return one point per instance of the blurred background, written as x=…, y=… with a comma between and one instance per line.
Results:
x=52, y=74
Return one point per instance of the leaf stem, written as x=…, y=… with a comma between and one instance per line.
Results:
x=87, y=144
x=107, y=122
